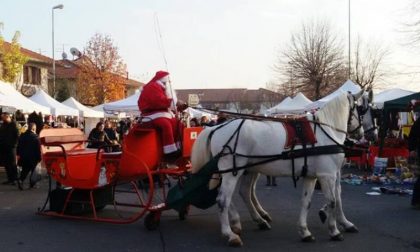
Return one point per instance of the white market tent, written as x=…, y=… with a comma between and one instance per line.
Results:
x=279, y=106
x=127, y=105
x=293, y=105
x=13, y=98
x=56, y=107
x=83, y=110
x=195, y=113
x=100, y=108
x=388, y=95
x=348, y=86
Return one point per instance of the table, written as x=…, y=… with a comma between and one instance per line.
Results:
x=387, y=152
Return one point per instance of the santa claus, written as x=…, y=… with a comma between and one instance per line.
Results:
x=157, y=106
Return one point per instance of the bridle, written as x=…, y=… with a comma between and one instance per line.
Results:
x=354, y=113
x=363, y=110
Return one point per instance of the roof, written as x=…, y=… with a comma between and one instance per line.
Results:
x=224, y=95
x=69, y=69
x=388, y=95
x=401, y=103
x=66, y=69
x=33, y=56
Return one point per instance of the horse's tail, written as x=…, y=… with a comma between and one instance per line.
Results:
x=201, y=152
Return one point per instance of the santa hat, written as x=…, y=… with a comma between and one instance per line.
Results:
x=159, y=75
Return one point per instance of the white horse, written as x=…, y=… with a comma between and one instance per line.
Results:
x=243, y=143
x=248, y=182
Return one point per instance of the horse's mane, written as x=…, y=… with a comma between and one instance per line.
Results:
x=335, y=112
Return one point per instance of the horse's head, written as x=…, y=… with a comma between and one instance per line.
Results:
x=368, y=121
x=354, y=123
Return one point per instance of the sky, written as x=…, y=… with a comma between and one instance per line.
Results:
x=209, y=44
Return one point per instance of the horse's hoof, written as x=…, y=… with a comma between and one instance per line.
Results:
x=338, y=237
x=236, y=230
x=267, y=217
x=235, y=242
x=309, y=238
x=264, y=226
x=322, y=216
x=352, y=229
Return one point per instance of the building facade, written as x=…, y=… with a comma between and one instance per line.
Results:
x=34, y=73
x=240, y=100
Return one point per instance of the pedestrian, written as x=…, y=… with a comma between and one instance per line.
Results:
x=29, y=152
x=112, y=135
x=194, y=122
x=9, y=135
x=414, y=148
x=97, y=137
x=221, y=118
x=205, y=121
x=122, y=128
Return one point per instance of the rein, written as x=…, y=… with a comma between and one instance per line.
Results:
x=269, y=118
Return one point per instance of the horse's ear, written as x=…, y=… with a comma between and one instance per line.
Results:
x=370, y=95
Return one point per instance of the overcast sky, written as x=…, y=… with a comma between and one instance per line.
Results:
x=208, y=44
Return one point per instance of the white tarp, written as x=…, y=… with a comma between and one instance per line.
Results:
x=128, y=105
x=293, y=105
x=348, y=86
x=279, y=106
x=17, y=100
x=195, y=113
x=100, y=108
x=57, y=109
x=388, y=95
x=83, y=110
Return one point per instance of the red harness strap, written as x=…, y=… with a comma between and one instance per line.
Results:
x=293, y=138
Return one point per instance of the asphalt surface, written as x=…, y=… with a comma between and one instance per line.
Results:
x=386, y=223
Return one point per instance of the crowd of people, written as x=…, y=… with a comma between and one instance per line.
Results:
x=20, y=151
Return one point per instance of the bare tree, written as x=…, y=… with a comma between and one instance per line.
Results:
x=314, y=55
x=411, y=23
x=368, y=64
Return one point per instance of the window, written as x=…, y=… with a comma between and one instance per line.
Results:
x=31, y=75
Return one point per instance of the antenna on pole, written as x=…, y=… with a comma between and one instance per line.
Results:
x=349, y=44
x=162, y=50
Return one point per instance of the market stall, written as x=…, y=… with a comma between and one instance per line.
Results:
x=57, y=109
x=14, y=99
x=90, y=117
x=128, y=105
x=295, y=105
x=389, y=146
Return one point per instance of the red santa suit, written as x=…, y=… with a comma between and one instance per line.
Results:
x=154, y=105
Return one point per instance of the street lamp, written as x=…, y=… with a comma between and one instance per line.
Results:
x=60, y=6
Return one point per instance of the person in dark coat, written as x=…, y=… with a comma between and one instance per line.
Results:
x=112, y=135
x=98, y=137
x=414, y=148
x=9, y=135
x=29, y=152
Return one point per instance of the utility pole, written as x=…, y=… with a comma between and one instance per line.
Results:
x=349, y=45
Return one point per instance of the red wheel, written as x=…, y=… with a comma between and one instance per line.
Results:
x=133, y=199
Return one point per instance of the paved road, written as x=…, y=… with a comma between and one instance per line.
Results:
x=386, y=223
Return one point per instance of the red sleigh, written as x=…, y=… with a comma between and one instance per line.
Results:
x=115, y=187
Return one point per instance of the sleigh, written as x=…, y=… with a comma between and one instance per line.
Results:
x=114, y=187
